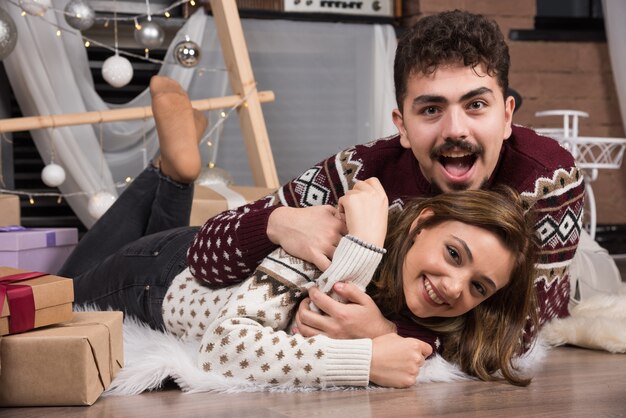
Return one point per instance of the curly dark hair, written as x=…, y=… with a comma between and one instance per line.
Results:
x=450, y=37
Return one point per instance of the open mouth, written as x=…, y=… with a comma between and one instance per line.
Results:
x=432, y=294
x=457, y=163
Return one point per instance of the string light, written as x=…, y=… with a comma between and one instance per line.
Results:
x=58, y=32
x=87, y=44
x=167, y=14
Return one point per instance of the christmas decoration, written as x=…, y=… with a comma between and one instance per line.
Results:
x=214, y=175
x=117, y=71
x=149, y=35
x=53, y=175
x=187, y=53
x=35, y=7
x=100, y=203
x=8, y=34
x=79, y=15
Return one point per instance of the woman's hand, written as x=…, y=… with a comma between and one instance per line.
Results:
x=366, y=207
x=396, y=361
x=359, y=317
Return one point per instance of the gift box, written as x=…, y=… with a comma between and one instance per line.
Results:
x=37, y=249
x=209, y=201
x=31, y=300
x=9, y=210
x=65, y=364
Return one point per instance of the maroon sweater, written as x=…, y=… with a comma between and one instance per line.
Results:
x=230, y=245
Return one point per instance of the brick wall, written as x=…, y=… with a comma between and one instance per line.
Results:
x=554, y=75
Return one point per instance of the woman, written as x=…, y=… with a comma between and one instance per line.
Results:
x=133, y=259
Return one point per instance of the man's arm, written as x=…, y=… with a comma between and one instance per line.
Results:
x=230, y=245
x=557, y=202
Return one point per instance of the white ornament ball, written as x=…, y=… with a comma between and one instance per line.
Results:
x=117, y=71
x=35, y=7
x=8, y=34
x=100, y=203
x=150, y=35
x=214, y=175
x=79, y=15
x=53, y=175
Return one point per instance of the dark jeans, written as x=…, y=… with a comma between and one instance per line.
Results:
x=129, y=258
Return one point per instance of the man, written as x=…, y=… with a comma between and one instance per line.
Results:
x=455, y=132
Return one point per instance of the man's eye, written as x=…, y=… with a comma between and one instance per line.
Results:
x=430, y=111
x=477, y=105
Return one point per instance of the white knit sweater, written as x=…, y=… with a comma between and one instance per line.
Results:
x=242, y=327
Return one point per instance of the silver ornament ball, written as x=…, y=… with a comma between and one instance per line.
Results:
x=79, y=15
x=117, y=71
x=150, y=35
x=187, y=53
x=35, y=7
x=8, y=34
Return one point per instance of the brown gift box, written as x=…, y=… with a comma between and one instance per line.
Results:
x=53, y=299
x=9, y=210
x=210, y=201
x=64, y=364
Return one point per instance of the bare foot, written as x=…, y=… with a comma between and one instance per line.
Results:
x=179, y=128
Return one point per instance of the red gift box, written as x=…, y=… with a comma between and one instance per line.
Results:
x=30, y=300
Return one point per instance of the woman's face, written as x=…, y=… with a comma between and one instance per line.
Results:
x=452, y=267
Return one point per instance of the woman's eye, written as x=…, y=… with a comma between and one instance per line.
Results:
x=480, y=288
x=454, y=254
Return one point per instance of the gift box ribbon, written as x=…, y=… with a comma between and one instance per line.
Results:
x=21, y=301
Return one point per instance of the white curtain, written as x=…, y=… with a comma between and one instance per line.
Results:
x=333, y=84
x=614, y=18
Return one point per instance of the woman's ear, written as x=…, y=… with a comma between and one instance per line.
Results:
x=423, y=215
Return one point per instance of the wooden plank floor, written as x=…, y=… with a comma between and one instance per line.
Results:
x=573, y=382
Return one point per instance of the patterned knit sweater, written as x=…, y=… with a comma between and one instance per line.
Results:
x=241, y=327
x=230, y=245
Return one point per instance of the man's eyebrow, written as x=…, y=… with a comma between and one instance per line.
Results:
x=470, y=257
x=432, y=98
x=476, y=92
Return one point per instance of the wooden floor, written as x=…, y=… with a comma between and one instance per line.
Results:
x=573, y=382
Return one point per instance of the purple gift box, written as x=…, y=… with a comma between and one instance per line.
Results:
x=36, y=249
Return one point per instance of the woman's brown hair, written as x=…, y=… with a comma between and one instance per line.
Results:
x=486, y=339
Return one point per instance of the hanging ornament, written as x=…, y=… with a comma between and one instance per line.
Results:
x=100, y=203
x=117, y=71
x=79, y=15
x=187, y=53
x=35, y=7
x=149, y=35
x=53, y=175
x=8, y=34
x=211, y=175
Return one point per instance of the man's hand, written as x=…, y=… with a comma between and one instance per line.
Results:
x=311, y=234
x=396, y=361
x=358, y=318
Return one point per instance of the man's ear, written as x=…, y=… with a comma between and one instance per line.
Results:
x=423, y=215
x=398, y=120
x=509, y=107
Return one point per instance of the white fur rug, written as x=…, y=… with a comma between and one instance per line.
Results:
x=152, y=357
x=598, y=323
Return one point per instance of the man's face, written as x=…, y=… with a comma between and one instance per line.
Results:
x=455, y=121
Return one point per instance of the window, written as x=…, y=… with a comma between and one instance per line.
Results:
x=565, y=21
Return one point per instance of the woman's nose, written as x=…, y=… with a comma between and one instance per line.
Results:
x=451, y=288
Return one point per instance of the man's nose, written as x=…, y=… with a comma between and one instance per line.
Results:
x=455, y=124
